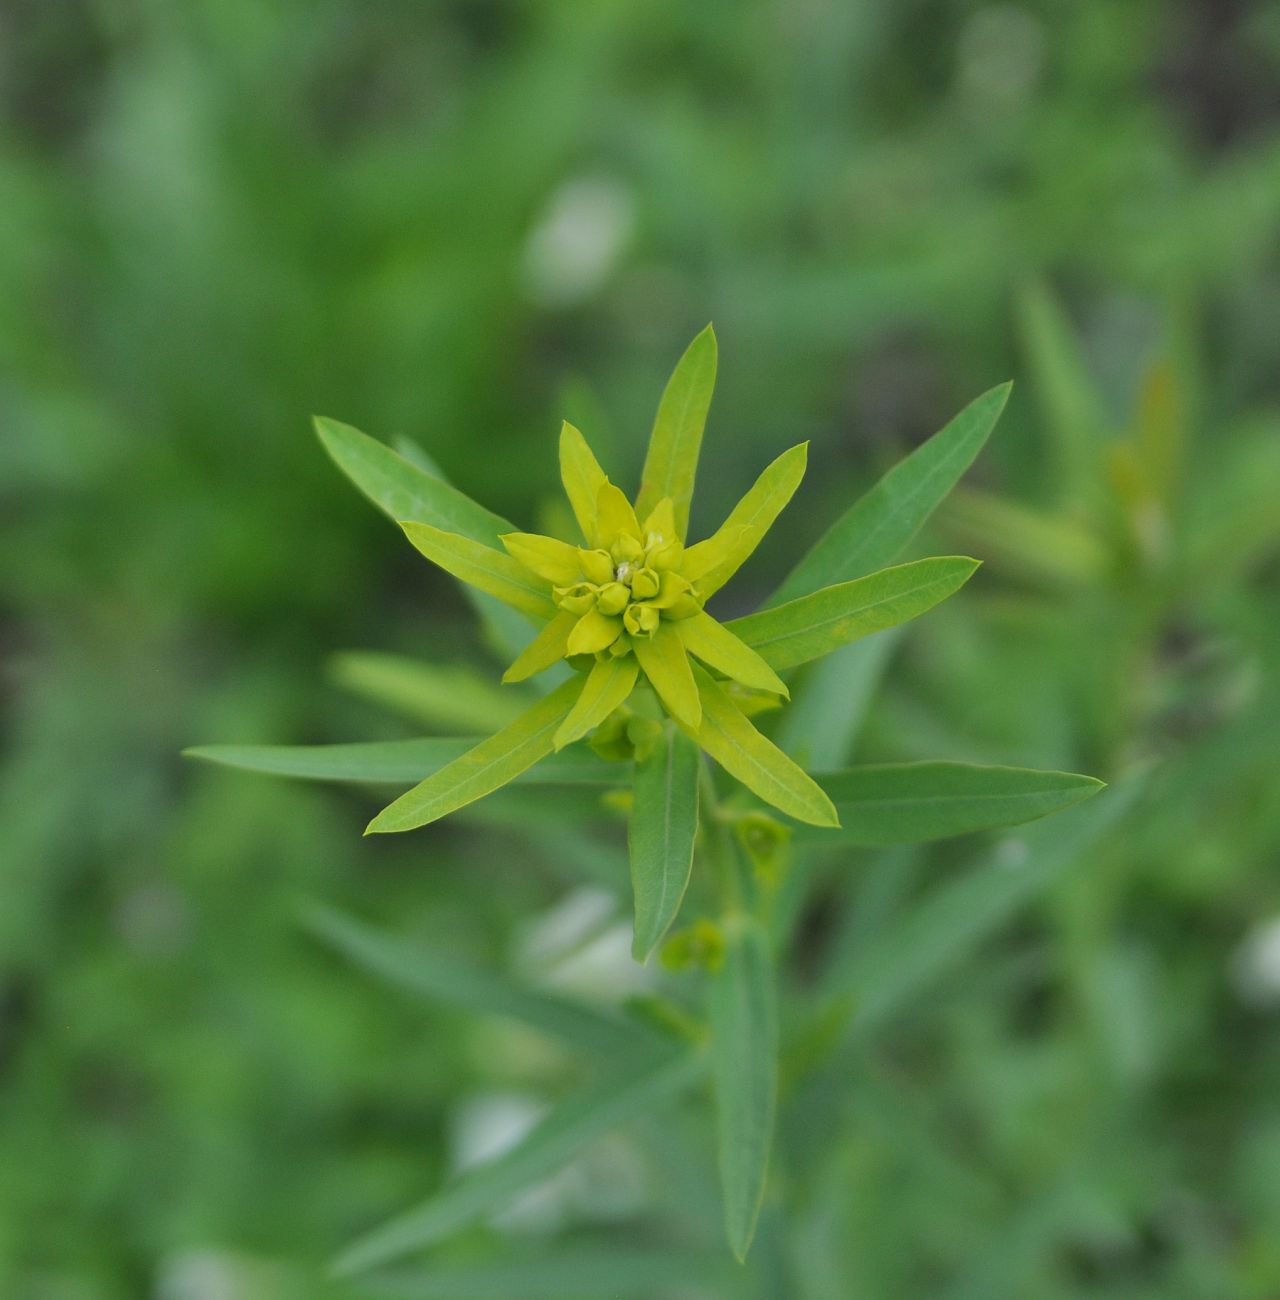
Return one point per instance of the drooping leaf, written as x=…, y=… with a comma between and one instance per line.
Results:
x=489, y=570
x=393, y=762
x=756, y=761
x=480, y=771
x=720, y=649
x=672, y=460
x=660, y=836
x=607, y=686
x=904, y=803
x=744, y=1064
x=545, y=650
x=582, y=478
x=714, y=561
x=814, y=625
x=443, y=978
x=664, y=662
x=402, y=490
x=450, y=696
x=880, y=523
x=490, y=1187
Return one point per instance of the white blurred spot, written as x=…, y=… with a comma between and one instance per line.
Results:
x=199, y=1275
x=1012, y=853
x=1000, y=54
x=1255, y=966
x=578, y=240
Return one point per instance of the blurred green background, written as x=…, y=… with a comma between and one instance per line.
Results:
x=459, y=222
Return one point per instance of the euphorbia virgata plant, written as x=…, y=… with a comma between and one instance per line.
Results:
x=648, y=689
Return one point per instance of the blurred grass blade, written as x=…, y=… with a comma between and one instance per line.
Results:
x=821, y=724
x=489, y=1188
x=402, y=490
x=952, y=920
x=573, y=1272
x=744, y=1062
x=393, y=762
x=660, y=836
x=480, y=771
x=450, y=696
x=714, y=561
x=756, y=761
x=671, y=463
x=881, y=522
x=490, y=571
x=905, y=803
x=815, y=625
x=443, y=978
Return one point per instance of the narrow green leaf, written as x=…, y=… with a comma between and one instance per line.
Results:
x=904, y=803
x=402, y=490
x=814, y=625
x=583, y=478
x=552, y=560
x=480, y=771
x=607, y=686
x=660, y=836
x=672, y=460
x=756, y=761
x=545, y=650
x=720, y=649
x=880, y=523
x=613, y=1101
x=449, y=696
x=711, y=563
x=744, y=1066
x=392, y=762
x=444, y=978
x=488, y=570
x=665, y=663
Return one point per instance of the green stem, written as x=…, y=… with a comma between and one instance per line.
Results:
x=719, y=847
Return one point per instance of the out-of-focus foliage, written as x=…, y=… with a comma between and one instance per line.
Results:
x=457, y=223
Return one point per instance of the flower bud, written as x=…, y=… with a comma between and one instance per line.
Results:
x=613, y=598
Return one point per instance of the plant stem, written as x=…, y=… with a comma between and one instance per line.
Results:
x=720, y=849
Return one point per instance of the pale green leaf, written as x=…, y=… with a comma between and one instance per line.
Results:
x=744, y=1064
x=631, y=1091
x=880, y=523
x=480, y=771
x=903, y=803
x=660, y=836
x=665, y=663
x=489, y=570
x=672, y=460
x=552, y=560
x=756, y=761
x=582, y=478
x=814, y=625
x=442, y=977
x=393, y=762
x=614, y=515
x=711, y=563
x=448, y=696
x=545, y=650
x=607, y=686
x=720, y=649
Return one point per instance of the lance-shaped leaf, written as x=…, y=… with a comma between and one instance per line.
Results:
x=660, y=836
x=903, y=803
x=672, y=460
x=552, y=560
x=393, y=762
x=607, y=686
x=665, y=663
x=583, y=478
x=879, y=524
x=486, y=569
x=480, y=771
x=744, y=1064
x=630, y=1092
x=816, y=624
x=402, y=490
x=443, y=978
x=711, y=563
x=756, y=761
x=444, y=696
x=545, y=650
x=720, y=649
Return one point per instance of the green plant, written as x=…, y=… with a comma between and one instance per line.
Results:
x=620, y=619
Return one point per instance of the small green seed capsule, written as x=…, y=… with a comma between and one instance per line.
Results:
x=644, y=584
